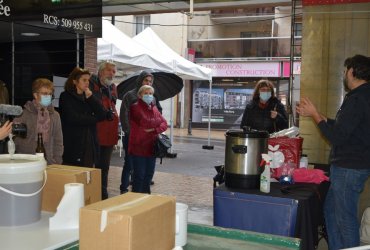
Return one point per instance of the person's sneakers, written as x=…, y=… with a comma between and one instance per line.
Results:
x=123, y=191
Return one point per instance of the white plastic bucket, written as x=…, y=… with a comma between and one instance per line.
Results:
x=21, y=183
x=181, y=224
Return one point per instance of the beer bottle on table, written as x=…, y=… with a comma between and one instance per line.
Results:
x=40, y=149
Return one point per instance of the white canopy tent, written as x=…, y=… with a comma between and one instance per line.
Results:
x=116, y=46
x=140, y=53
x=184, y=68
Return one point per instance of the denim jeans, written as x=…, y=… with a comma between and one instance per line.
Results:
x=127, y=166
x=143, y=173
x=341, y=205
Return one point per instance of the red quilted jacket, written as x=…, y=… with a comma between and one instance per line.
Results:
x=144, y=116
x=107, y=130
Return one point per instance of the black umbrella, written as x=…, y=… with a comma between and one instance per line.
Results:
x=166, y=85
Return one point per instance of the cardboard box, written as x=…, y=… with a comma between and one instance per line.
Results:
x=131, y=221
x=59, y=175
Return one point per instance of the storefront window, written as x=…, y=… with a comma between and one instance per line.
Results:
x=229, y=96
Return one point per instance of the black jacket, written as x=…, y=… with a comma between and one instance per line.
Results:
x=260, y=119
x=79, y=117
x=349, y=133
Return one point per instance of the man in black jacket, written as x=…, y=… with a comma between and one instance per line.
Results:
x=349, y=136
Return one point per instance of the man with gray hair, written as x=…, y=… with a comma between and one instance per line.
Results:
x=105, y=90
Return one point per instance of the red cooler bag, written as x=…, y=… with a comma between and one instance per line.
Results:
x=290, y=147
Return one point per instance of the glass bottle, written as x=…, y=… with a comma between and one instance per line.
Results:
x=40, y=149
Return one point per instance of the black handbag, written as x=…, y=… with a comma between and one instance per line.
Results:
x=161, y=146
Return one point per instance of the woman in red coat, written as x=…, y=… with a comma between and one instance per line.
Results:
x=146, y=122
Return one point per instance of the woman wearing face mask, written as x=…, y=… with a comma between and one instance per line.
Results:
x=146, y=122
x=265, y=111
x=80, y=111
x=40, y=117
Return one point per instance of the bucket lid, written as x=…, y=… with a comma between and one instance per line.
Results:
x=21, y=163
x=247, y=133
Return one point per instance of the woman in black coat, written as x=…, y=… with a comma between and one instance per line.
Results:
x=265, y=111
x=79, y=111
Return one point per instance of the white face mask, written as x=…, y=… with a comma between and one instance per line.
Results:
x=264, y=96
x=45, y=100
x=148, y=99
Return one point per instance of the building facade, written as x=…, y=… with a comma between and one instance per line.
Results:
x=241, y=45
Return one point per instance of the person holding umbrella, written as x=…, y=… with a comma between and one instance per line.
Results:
x=146, y=122
x=145, y=78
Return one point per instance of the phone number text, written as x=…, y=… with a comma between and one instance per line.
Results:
x=68, y=23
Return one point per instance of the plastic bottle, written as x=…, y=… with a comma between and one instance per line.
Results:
x=11, y=146
x=265, y=179
x=303, y=162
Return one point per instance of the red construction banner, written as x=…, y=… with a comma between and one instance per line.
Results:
x=328, y=2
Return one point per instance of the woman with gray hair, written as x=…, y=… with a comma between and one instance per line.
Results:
x=146, y=122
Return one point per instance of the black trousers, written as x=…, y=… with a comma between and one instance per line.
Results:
x=103, y=163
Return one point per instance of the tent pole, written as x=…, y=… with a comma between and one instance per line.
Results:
x=182, y=111
x=171, y=154
x=13, y=62
x=209, y=146
x=171, y=124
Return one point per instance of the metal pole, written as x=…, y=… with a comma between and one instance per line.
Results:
x=13, y=61
x=189, y=127
x=171, y=154
x=182, y=111
x=78, y=50
x=191, y=9
x=291, y=60
x=171, y=124
x=209, y=113
x=208, y=146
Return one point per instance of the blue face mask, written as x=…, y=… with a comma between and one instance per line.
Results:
x=264, y=96
x=148, y=99
x=45, y=100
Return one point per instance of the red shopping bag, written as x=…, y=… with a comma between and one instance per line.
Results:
x=290, y=147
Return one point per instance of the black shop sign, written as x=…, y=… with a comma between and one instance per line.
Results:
x=74, y=16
